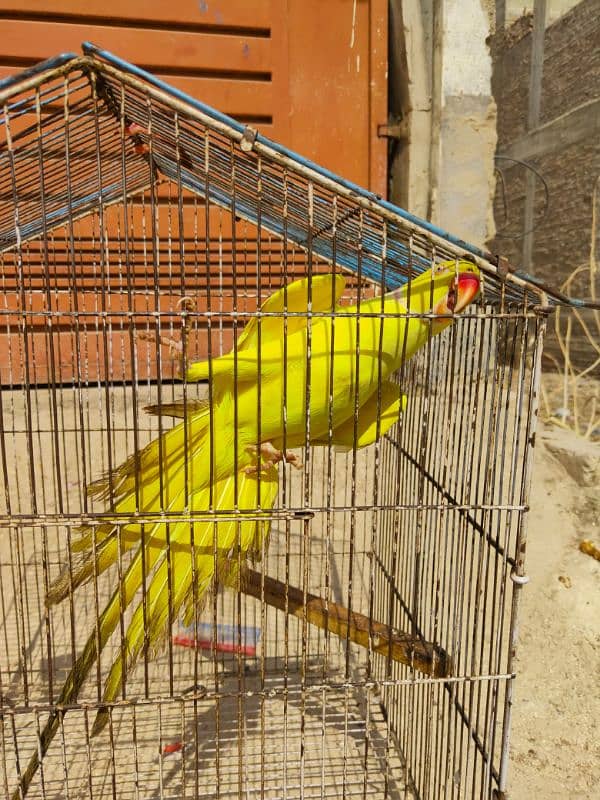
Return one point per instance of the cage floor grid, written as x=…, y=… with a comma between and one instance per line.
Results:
x=312, y=745
x=297, y=732
x=331, y=744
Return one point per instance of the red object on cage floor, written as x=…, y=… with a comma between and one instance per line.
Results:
x=222, y=638
x=220, y=647
x=173, y=747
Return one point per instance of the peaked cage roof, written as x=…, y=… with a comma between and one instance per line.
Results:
x=79, y=133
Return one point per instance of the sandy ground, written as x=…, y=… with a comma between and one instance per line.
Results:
x=556, y=724
x=555, y=739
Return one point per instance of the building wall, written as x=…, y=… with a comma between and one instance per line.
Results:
x=555, y=9
x=440, y=80
x=468, y=123
x=571, y=79
x=564, y=150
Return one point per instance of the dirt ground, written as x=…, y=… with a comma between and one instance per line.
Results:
x=555, y=739
x=556, y=725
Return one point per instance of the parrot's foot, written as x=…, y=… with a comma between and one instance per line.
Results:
x=271, y=456
x=175, y=345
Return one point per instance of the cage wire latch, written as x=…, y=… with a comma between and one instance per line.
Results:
x=304, y=514
x=520, y=580
x=248, y=139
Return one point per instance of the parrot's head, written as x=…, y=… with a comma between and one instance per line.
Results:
x=445, y=289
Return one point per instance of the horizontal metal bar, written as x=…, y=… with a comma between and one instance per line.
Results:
x=199, y=315
x=22, y=80
x=146, y=518
x=268, y=694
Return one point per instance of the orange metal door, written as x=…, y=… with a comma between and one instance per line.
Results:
x=306, y=73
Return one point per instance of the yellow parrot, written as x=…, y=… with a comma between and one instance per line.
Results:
x=222, y=457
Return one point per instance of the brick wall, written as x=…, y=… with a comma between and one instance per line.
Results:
x=571, y=77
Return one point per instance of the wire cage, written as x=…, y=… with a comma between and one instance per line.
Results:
x=366, y=646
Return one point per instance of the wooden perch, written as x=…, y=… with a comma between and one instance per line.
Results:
x=403, y=647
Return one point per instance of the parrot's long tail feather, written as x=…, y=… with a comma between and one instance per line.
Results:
x=81, y=568
x=75, y=680
x=185, y=572
x=179, y=409
x=136, y=483
x=163, y=455
x=173, y=564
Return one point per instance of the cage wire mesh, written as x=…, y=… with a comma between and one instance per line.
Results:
x=368, y=649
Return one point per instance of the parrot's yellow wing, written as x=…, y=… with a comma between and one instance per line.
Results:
x=374, y=419
x=325, y=292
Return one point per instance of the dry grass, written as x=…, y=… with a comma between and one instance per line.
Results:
x=571, y=397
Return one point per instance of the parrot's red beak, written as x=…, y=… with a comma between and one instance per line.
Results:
x=463, y=290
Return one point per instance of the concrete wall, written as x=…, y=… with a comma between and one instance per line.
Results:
x=441, y=86
x=571, y=80
x=410, y=102
x=468, y=123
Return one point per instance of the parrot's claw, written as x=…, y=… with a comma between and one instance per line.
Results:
x=271, y=456
x=175, y=346
x=293, y=459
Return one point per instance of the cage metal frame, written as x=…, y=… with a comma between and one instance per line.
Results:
x=329, y=221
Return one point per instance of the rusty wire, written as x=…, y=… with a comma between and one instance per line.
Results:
x=422, y=533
